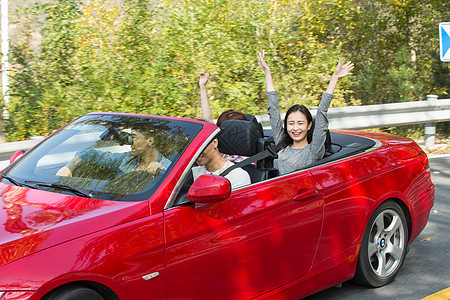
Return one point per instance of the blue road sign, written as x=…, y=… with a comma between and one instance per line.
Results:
x=444, y=37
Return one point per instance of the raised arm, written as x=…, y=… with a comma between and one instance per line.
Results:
x=273, y=109
x=206, y=108
x=262, y=63
x=321, y=126
x=341, y=71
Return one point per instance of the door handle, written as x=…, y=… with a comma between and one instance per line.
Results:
x=303, y=195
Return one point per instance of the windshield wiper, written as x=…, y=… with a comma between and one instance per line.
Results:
x=61, y=187
x=13, y=181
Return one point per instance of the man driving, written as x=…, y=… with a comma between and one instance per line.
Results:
x=143, y=156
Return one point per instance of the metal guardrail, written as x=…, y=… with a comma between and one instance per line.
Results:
x=356, y=117
x=383, y=115
x=8, y=149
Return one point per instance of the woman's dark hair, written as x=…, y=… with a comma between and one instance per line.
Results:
x=230, y=115
x=286, y=140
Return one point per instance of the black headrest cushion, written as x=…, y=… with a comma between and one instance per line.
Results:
x=239, y=137
x=253, y=119
x=327, y=139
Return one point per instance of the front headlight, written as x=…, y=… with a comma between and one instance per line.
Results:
x=1, y=294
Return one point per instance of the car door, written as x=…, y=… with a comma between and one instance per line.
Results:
x=258, y=239
x=351, y=189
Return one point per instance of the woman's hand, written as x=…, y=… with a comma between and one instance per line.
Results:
x=343, y=70
x=204, y=78
x=262, y=63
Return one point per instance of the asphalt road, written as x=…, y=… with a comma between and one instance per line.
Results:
x=427, y=266
x=426, y=269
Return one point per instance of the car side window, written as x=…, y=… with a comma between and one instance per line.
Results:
x=181, y=198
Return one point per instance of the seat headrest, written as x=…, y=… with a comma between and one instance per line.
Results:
x=239, y=137
x=327, y=138
x=253, y=119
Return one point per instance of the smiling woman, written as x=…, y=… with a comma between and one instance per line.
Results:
x=294, y=149
x=298, y=122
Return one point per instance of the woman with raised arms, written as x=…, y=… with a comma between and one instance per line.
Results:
x=294, y=151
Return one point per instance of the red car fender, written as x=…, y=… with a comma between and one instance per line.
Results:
x=81, y=259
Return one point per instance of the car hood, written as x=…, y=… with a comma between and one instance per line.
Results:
x=32, y=220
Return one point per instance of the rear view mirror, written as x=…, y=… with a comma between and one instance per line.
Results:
x=114, y=134
x=209, y=189
x=16, y=155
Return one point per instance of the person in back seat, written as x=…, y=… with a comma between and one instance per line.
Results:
x=294, y=151
x=212, y=162
x=226, y=115
x=230, y=114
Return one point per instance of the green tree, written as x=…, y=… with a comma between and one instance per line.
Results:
x=394, y=44
x=144, y=56
x=59, y=74
x=25, y=93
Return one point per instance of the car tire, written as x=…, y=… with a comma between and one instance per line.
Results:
x=75, y=292
x=383, y=246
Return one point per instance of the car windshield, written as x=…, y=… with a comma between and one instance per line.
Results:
x=105, y=156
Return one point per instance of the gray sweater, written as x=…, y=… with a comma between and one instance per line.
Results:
x=290, y=159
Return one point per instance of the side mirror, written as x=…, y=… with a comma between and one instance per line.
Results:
x=16, y=155
x=209, y=189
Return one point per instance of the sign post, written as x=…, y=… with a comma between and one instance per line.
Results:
x=5, y=51
x=444, y=38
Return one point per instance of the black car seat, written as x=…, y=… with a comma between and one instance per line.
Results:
x=245, y=138
x=327, y=139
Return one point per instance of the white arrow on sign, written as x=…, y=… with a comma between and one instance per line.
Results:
x=444, y=37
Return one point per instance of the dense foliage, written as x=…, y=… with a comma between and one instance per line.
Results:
x=145, y=56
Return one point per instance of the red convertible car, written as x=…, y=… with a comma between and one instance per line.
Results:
x=80, y=220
